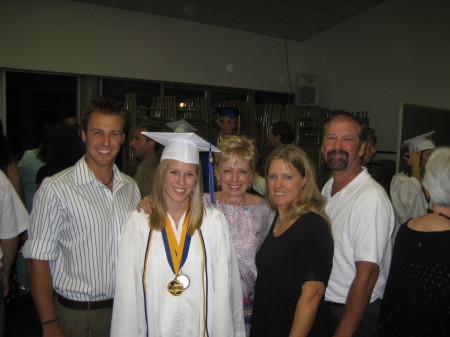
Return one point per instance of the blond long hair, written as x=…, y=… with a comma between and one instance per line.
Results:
x=310, y=199
x=159, y=212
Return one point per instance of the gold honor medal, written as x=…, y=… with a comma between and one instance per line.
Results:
x=184, y=280
x=175, y=287
x=175, y=252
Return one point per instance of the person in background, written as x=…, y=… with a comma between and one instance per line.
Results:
x=177, y=272
x=280, y=133
x=76, y=222
x=14, y=220
x=294, y=262
x=249, y=216
x=417, y=297
x=63, y=150
x=362, y=222
x=409, y=197
x=371, y=143
x=72, y=121
x=32, y=160
x=9, y=166
x=228, y=122
x=29, y=166
x=146, y=151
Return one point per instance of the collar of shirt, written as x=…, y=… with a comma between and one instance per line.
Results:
x=349, y=188
x=84, y=175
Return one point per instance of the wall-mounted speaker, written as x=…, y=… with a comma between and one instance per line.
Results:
x=307, y=90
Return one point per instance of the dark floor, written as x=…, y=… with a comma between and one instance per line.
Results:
x=21, y=318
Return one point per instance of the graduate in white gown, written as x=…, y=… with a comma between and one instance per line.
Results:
x=177, y=273
x=409, y=197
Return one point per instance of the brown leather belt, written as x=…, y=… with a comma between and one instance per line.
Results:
x=80, y=305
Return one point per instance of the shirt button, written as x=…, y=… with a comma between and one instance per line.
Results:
x=417, y=244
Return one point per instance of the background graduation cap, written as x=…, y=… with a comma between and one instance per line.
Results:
x=181, y=126
x=422, y=142
x=230, y=112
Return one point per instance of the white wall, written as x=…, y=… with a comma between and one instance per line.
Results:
x=397, y=51
x=68, y=36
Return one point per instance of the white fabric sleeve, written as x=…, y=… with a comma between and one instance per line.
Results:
x=128, y=318
x=407, y=199
x=227, y=303
x=374, y=224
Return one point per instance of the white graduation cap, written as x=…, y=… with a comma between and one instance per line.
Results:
x=181, y=126
x=421, y=142
x=181, y=146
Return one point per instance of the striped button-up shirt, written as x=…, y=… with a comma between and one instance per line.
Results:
x=75, y=224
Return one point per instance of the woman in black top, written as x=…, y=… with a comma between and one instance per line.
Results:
x=416, y=300
x=294, y=262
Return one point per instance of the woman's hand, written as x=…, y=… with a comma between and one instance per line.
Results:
x=146, y=205
x=414, y=157
x=414, y=162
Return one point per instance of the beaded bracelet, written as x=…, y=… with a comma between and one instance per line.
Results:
x=50, y=321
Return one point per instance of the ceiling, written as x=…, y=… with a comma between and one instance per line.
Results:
x=295, y=20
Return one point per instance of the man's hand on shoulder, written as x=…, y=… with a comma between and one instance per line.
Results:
x=145, y=205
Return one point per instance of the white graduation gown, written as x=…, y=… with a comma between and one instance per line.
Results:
x=183, y=315
x=407, y=199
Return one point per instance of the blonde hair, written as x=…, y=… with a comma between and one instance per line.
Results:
x=310, y=199
x=237, y=146
x=159, y=212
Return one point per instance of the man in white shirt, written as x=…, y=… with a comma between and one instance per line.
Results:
x=76, y=222
x=14, y=220
x=362, y=222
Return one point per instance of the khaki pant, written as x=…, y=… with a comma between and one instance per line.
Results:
x=84, y=323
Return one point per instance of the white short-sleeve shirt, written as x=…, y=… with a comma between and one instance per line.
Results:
x=14, y=218
x=362, y=221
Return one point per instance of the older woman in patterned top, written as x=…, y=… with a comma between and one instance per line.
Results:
x=249, y=216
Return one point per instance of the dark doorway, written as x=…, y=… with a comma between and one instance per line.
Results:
x=33, y=102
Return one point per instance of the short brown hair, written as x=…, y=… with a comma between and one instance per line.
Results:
x=106, y=106
x=346, y=117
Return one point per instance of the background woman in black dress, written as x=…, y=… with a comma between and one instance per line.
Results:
x=294, y=262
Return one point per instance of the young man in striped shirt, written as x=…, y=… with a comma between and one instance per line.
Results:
x=76, y=222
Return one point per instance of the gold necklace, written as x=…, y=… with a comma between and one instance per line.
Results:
x=277, y=225
x=242, y=204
